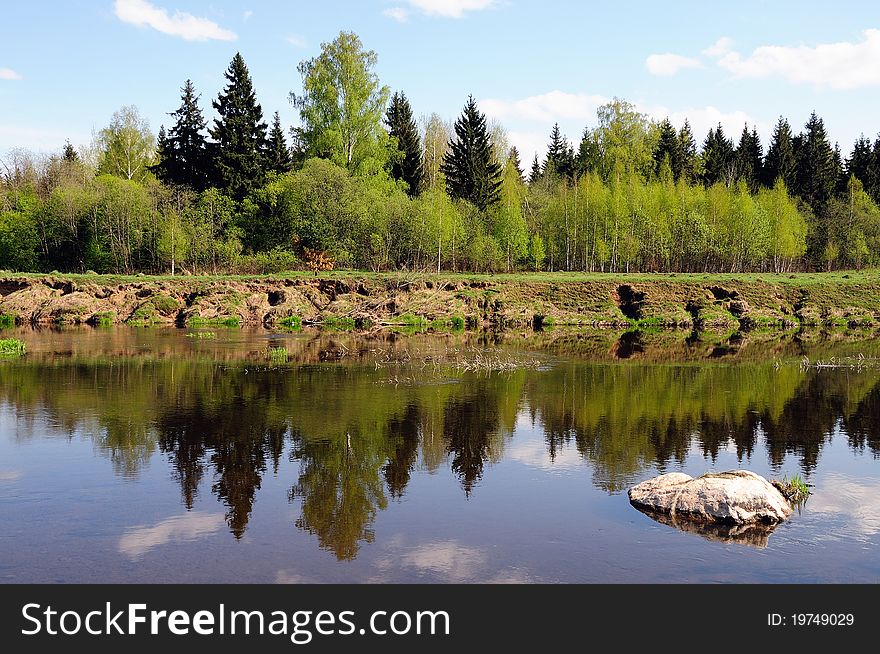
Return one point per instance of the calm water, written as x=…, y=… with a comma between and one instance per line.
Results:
x=133, y=455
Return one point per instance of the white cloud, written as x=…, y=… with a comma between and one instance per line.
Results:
x=669, y=64
x=247, y=15
x=842, y=65
x=37, y=138
x=9, y=74
x=399, y=14
x=545, y=108
x=720, y=48
x=852, y=501
x=186, y=26
x=185, y=528
x=450, y=8
x=10, y=475
x=297, y=41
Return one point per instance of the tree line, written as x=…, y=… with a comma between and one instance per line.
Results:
x=359, y=183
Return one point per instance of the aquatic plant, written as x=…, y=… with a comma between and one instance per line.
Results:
x=12, y=347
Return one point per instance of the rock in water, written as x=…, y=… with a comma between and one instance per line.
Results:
x=736, y=497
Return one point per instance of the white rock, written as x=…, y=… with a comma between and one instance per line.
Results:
x=734, y=497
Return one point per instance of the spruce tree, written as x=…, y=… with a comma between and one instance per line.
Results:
x=535, y=174
x=817, y=174
x=471, y=174
x=239, y=133
x=873, y=185
x=667, y=150
x=781, y=162
x=69, y=154
x=513, y=160
x=183, y=151
x=718, y=158
x=560, y=156
x=587, y=159
x=860, y=161
x=401, y=125
x=749, y=157
x=687, y=152
x=278, y=157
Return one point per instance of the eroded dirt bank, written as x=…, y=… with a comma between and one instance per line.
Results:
x=508, y=301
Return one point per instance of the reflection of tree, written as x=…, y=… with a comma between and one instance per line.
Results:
x=340, y=489
x=403, y=434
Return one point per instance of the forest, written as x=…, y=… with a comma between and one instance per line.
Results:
x=360, y=183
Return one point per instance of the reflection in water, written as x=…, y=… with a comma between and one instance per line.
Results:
x=358, y=439
x=754, y=535
x=188, y=527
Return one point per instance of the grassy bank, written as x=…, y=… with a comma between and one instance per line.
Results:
x=365, y=299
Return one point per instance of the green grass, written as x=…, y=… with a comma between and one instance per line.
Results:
x=165, y=304
x=12, y=347
x=794, y=489
x=7, y=320
x=202, y=335
x=278, y=354
x=228, y=321
x=105, y=319
x=339, y=323
x=291, y=323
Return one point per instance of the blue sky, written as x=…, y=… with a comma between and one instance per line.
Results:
x=65, y=67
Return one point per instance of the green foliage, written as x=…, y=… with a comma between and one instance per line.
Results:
x=291, y=323
x=278, y=355
x=341, y=106
x=7, y=320
x=239, y=133
x=127, y=146
x=277, y=153
x=12, y=347
x=221, y=321
x=471, y=172
x=406, y=165
x=183, y=156
x=202, y=336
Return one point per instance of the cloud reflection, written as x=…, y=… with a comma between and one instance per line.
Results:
x=137, y=541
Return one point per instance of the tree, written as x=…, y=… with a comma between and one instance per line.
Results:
x=535, y=173
x=749, y=157
x=69, y=154
x=436, y=143
x=560, y=157
x=183, y=152
x=277, y=153
x=780, y=162
x=513, y=160
x=471, y=173
x=407, y=166
x=667, y=150
x=625, y=141
x=718, y=158
x=860, y=162
x=687, y=152
x=816, y=169
x=239, y=133
x=127, y=146
x=342, y=105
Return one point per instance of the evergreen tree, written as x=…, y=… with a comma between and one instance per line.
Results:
x=560, y=156
x=817, y=174
x=239, y=133
x=873, y=185
x=513, y=160
x=470, y=172
x=860, y=162
x=840, y=176
x=535, y=174
x=587, y=159
x=401, y=126
x=687, y=152
x=183, y=151
x=278, y=157
x=69, y=154
x=749, y=157
x=781, y=162
x=667, y=150
x=718, y=158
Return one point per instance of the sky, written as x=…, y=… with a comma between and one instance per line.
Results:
x=65, y=67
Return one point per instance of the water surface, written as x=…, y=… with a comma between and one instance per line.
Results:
x=151, y=455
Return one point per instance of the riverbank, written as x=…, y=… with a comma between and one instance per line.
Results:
x=448, y=300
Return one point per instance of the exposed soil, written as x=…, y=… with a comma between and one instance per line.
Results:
x=520, y=302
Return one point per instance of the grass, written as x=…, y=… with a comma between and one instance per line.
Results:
x=340, y=323
x=278, y=354
x=7, y=320
x=12, y=347
x=291, y=323
x=202, y=335
x=794, y=489
x=105, y=319
x=228, y=321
